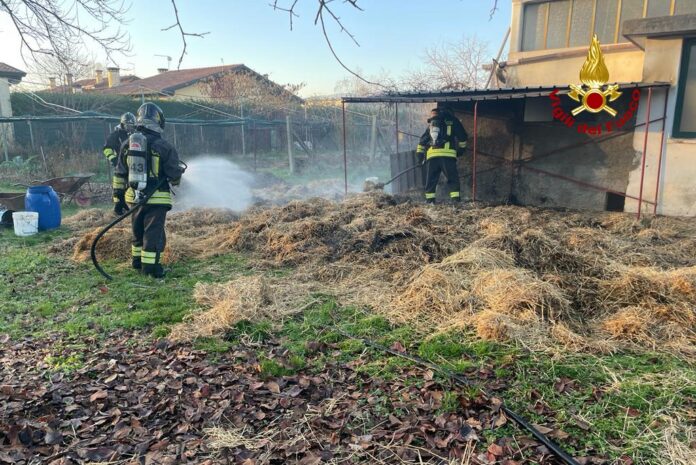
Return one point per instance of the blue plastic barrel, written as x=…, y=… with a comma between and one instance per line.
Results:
x=44, y=201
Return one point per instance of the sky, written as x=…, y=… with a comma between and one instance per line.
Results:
x=392, y=36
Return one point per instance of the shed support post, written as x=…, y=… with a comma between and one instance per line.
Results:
x=645, y=150
x=662, y=142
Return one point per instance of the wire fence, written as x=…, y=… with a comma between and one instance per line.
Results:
x=62, y=135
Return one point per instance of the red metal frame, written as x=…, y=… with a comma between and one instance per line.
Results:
x=645, y=149
x=659, y=163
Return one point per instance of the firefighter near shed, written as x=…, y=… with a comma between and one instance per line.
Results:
x=443, y=141
x=147, y=167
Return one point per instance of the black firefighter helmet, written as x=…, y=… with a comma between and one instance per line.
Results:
x=128, y=121
x=150, y=117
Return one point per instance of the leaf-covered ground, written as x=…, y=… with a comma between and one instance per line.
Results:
x=87, y=376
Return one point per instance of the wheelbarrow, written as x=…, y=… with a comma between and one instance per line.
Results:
x=69, y=188
x=10, y=202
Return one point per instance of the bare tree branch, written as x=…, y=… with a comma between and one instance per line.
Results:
x=290, y=11
x=494, y=8
x=319, y=19
x=177, y=24
x=55, y=27
x=452, y=66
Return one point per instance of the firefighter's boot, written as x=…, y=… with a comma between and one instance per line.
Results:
x=156, y=270
x=136, y=263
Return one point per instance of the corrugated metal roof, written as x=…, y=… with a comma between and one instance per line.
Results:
x=468, y=95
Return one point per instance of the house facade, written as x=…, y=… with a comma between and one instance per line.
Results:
x=9, y=75
x=642, y=41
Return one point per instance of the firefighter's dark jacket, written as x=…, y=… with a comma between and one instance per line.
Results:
x=163, y=162
x=451, y=141
x=114, y=142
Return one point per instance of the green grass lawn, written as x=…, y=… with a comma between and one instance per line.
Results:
x=618, y=405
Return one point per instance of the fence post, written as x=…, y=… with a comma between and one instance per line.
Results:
x=291, y=161
x=4, y=141
x=241, y=112
x=31, y=135
x=373, y=139
x=202, y=140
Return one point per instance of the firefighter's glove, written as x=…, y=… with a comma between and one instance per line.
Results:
x=175, y=182
x=121, y=207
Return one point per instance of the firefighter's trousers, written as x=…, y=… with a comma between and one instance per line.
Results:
x=149, y=237
x=437, y=165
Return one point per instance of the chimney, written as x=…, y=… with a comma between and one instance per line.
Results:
x=69, y=80
x=98, y=78
x=52, y=83
x=113, y=76
x=162, y=70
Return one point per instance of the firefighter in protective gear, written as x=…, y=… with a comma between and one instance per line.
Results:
x=120, y=134
x=161, y=165
x=439, y=147
x=112, y=149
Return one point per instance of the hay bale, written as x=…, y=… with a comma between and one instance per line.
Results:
x=116, y=245
x=491, y=326
x=647, y=286
x=442, y=290
x=228, y=303
x=247, y=298
x=87, y=219
x=518, y=293
x=630, y=323
x=190, y=222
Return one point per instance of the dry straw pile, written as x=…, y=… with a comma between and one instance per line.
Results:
x=586, y=280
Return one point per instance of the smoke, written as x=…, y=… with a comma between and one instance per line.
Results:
x=214, y=182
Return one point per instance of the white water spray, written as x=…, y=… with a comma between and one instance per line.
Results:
x=213, y=182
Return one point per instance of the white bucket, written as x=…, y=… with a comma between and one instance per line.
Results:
x=25, y=223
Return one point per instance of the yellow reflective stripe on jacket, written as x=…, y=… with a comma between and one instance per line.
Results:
x=420, y=148
x=462, y=145
x=118, y=183
x=449, y=130
x=430, y=195
x=155, y=164
x=109, y=153
x=158, y=198
x=161, y=198
x=454, y=195
x=148, y=258
x=446, y=152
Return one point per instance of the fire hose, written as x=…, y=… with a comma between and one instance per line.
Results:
x=458, y=379
x=93, y=250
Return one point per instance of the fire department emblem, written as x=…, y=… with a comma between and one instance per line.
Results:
x=594, y=95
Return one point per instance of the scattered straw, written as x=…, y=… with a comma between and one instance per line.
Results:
x=248, y=298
